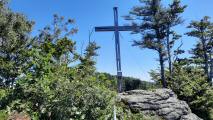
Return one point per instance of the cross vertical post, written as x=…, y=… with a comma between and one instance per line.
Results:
x=117, y=49
x=116, y=28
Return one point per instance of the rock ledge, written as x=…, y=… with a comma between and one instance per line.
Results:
x=159, y=102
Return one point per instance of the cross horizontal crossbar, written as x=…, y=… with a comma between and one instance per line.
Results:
x=113, y=28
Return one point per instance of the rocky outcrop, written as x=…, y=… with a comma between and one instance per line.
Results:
x=160, y=102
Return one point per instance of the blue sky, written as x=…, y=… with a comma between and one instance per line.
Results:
x=90, y=13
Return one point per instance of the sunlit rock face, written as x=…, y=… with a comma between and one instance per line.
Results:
x=161, y=102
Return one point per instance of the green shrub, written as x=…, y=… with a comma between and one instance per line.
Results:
x=3, y=115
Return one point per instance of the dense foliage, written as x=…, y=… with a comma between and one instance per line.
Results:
x=203, y=52
x=14, y=43
x=44, y=77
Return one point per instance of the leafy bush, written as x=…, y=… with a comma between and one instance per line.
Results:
x=3, y=115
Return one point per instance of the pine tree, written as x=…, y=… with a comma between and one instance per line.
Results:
x=173, y=19
x=155, y=23
x=203, y=49
x=152, y=28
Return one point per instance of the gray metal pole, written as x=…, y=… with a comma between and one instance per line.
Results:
x=117, y=48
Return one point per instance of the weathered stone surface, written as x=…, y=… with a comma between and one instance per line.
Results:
x=160, y=102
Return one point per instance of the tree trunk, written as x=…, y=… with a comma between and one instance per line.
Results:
x=206, y=60
x=207, y=66
x=169, y=51
x=211, y=70
x=155, y=5
x=163, y=80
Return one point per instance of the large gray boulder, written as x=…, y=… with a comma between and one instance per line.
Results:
x=159, y=102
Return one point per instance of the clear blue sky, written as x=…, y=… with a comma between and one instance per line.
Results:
x=90, y=13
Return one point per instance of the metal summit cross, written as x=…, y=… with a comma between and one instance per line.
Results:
x=116, y=28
